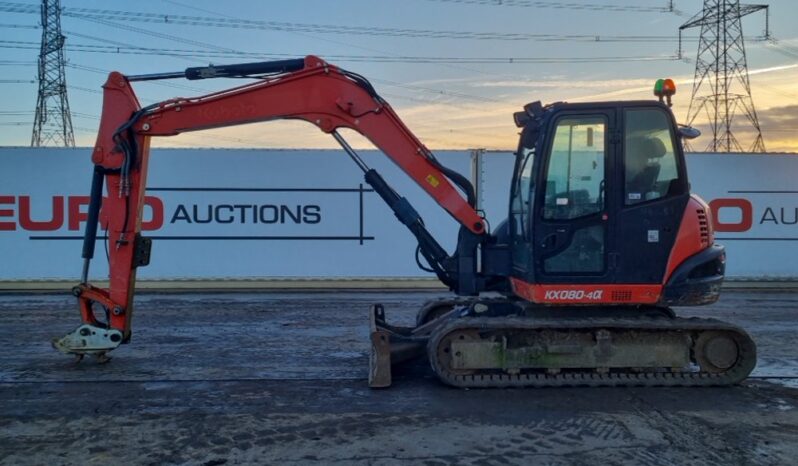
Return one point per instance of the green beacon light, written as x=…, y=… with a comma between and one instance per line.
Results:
x=665, y=88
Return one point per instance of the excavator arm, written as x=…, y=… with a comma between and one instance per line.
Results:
x=306, y=89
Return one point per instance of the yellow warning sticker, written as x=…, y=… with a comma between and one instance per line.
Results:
x=433, y=181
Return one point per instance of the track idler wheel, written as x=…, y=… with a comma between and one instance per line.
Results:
x=716, y=351
x=448, y=354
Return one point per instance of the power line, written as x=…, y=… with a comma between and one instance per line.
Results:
x=126, y=45
x=160, y=35
x=368, y=59
x=236, y=23
x=563, y=5
x=784, y=49
x=358, y=46
x=423, y=100
x=434, y=91
x=299, y=27
x=85, y=130
x=17, y=63
x=136, y=50
x=18, y=26
x=785, y=52
x=590, y=38
x=85, y=89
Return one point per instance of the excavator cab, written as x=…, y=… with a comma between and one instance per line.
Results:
x=598, y=195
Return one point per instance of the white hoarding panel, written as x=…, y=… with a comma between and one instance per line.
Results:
x=220, y=214
x=754, y=201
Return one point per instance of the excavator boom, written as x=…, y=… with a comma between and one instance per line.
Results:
x=306, y=89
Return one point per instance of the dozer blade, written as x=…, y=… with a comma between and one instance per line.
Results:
x=390, y=345
x=88, y=339
x=380, y=356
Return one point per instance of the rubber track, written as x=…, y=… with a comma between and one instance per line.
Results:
x=745, y=363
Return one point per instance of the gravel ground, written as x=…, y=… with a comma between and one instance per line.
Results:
x=267, y=378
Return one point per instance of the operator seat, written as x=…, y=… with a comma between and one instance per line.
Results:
x=642, y=167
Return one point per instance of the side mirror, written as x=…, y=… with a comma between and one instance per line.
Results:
x=688, y=132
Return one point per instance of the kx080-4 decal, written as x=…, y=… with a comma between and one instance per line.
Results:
x=573, y=295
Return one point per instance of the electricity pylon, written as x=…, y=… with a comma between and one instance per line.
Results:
x=53, y=122
x=721, y=89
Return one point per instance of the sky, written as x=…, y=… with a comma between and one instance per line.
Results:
x=561, y=51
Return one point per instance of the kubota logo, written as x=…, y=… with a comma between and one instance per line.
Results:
x=66, y=210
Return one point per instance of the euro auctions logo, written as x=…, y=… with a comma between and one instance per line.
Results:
x=742, y=207
x=203, y=213
x=66, y=211
x=740, y=215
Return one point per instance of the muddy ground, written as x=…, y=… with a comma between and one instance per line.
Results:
x=280, y=378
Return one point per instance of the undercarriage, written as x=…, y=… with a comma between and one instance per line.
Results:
x=503, y=342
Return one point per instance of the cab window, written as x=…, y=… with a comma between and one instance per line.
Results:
x=523, y=193
x=575, y=175
x=650, y=170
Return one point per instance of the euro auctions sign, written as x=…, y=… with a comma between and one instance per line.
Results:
x=223, y=213
x=216, y=214
x=754, y=203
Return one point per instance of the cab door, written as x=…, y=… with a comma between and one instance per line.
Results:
x=572, y=232
x=654, y=193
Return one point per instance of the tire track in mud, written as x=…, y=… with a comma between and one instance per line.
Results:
x=715, y=436
x=366, y=438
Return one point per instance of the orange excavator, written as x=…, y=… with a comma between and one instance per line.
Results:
x=575, y=287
